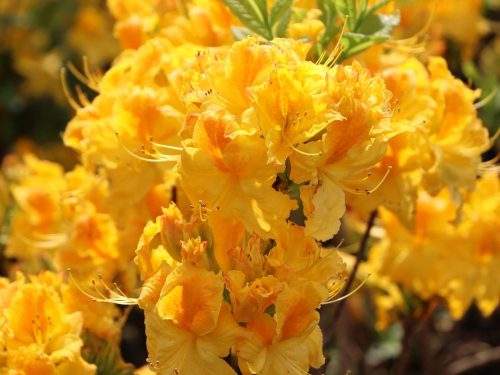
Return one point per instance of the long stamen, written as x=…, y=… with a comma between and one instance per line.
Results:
x=321, y=57
x=389, y=169
x=337, y=50
x=305, y=153
x=156, y=158
x=82, y=97
x=93, y=78
x=81, y=77
x=490, y=165
x=486, y=100
x=72, y=102
x=494, y=137
x=118, y=298
x=358, y=191
x=348, y=294
x=166, y=146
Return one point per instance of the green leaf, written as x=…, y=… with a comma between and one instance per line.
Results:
x=252, y=14
x=355, y=43
x=280, y=16
x=362, y=13
x=380, y=24
x=327, y=8
x=329, y=19
x=347, y=9
x=363, y=4
x=375, y=29
x=279, y=30
x=278, y=10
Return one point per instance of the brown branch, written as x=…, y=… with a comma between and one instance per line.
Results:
x=360, y=256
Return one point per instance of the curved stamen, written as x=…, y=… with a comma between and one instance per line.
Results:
x=358, y=191
x=93, y=78
x=175, y=148
x=72, y=102
x=338, y=49
x=118, y=298
x=486, y=100
x=155, y=158
x=81, y=77
x=84, y=100
x=348, y=294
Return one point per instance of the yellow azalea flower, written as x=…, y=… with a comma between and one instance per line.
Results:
x=205, y=23
x=99, y=318
x=457, y=135
x=297, y=256
x=263, y=300
x=227, y=168
x=225, y=77
x=478, y=232
x=137, y=19
x=191, y=298
x=227, y=234
x=166, y=243
x=56, y=218
x=293, y=106
x=449, y=257
x=40, y=337
x=292, y=341
x=153, y=263
x=434, y=218
x=93, y=244
x=201, y=22
x=132, y=124
x=407, y=154
x=37, y=193
x=437, y=139
x=250, y=298
x=331, y=164
x=258, y=90
x=191, y=328
x=37, y=219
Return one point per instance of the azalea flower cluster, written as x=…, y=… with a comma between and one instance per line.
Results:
x=41, y=323
x=215, y=165
x=445, y=257
x=40, y=35
x=210, y=287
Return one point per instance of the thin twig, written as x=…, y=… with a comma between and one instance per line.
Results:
x=412, y=326
x=360, y=256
